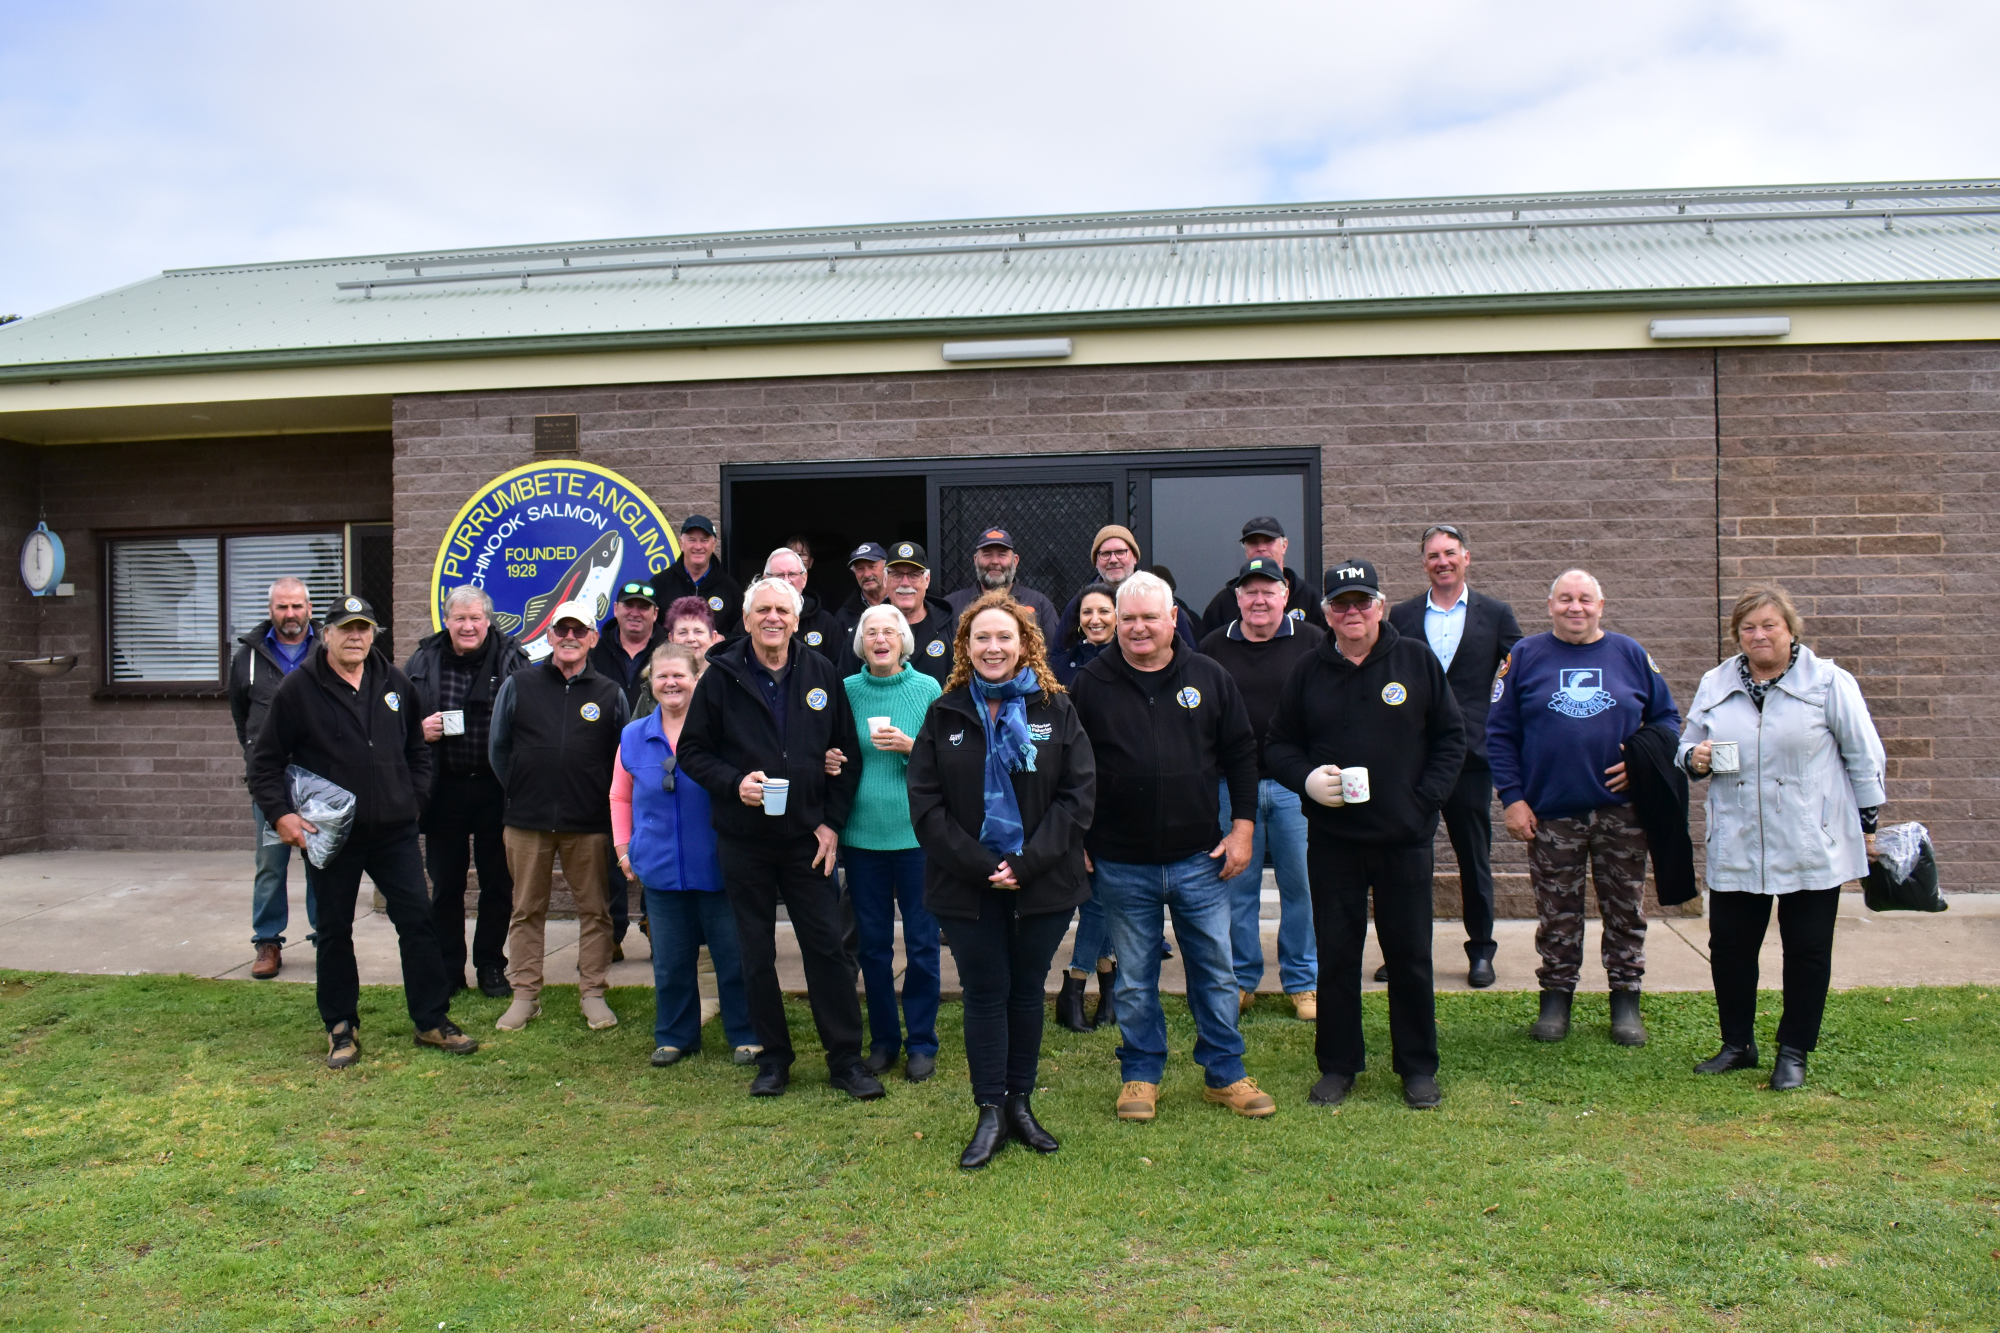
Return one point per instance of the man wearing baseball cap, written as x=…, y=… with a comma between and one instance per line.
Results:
x=869, y=563
x=931, y=618
x=554, y=738
x=350, y=716
x=1264, y=539
x=995, y=564
x=699, y=574
x=1368, y=731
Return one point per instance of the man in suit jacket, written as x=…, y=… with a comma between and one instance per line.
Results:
x=1471, y=634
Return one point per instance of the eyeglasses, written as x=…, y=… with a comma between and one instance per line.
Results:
x=1114, y=553
x=667, y=773
x=1344, y=605
x=569, y=630
x=1446, y=528
x=644, y=590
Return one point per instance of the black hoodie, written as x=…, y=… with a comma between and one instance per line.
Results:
x=1164, y=742
x=1393, y=715
x=819, y=629
x=368, y=740
x=935, y=636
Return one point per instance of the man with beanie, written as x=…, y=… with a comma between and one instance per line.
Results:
x=1367, y=730
x=555, y=737
x=349, y=716
x=1114, y=554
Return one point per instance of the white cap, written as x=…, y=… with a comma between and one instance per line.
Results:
x=582, y=612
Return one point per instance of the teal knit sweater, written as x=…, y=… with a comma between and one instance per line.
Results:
x=881, y=818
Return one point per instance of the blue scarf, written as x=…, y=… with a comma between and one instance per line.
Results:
x=1012, y=750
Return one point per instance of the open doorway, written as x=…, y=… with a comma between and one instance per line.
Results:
x=833, y=514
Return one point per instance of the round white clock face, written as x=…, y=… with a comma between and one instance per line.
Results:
x=38, y=560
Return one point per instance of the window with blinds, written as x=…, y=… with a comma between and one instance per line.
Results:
x=178, y=604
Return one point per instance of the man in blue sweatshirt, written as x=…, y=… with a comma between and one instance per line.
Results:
x=1564, y=704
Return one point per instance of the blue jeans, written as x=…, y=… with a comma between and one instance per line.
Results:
x=1092, y=941
x=270, y=908
x=682, y=921
x=878, y=883
x=1135, y=899
x=1281, y=826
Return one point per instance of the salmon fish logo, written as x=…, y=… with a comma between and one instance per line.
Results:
x=590, y=579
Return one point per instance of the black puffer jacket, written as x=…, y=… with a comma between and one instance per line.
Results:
x=370, y=741
x=947, y=781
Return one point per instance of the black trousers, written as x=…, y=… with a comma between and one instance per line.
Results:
x=462, y=827
x=1342, y=873
x=1003, y=969
x=1736, y=925
x=758, y=874
x=1468, y=818
x=389, y=856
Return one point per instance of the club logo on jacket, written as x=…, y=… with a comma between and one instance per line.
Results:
x=958, y=738
x=715, y=603
x=1189, y=697
x=1296, y=614
x=394, y=700
x=812, y=638
x=935, y=648
x=1500, y=680
x=1582, y=693
x=1041, y=731
x=591, y=712
x=815, y=699
x=1393, y=693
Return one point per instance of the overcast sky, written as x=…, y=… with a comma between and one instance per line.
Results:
x=137, y=137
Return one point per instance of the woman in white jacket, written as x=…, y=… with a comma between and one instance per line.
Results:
x=1792, y=819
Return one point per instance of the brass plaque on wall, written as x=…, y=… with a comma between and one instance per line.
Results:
x=556, y=435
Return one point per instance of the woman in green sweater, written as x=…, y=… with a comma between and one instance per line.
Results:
x=885, y=867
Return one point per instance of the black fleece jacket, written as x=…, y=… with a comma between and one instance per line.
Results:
x=947, y=780
x=731, y=732
x=1394, y=715
x=1164, y=741
x=368, y=740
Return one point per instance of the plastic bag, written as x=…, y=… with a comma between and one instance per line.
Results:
x=1898, y=847
x=1904, y=876
x=327, y=806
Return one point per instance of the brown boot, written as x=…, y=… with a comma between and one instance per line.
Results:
x=1243, y=1097
x=270, y=961
x=1137, y=1100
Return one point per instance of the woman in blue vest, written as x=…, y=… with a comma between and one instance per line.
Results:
x=660, y=827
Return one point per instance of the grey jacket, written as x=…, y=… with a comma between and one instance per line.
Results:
x=1791, y=819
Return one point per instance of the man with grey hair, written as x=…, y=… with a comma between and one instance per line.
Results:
x=455, y=675
x=819, y=628
x=264, y=656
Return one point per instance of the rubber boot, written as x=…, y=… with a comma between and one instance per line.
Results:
x=1553, y=1025
x=1627, y=1028
x=1069, y=1005
x=1107, y=1002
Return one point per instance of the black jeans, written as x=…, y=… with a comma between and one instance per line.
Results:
x=1736, y=925
x=1003, y=969
x=389, y=856
x=462, y=827
x=1342, y=873
x=1468, y=818
x=758, y=873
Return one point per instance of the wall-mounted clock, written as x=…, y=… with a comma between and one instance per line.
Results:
x=41, y=561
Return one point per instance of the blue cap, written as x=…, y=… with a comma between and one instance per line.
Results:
x=867, y=551
x=698, y=521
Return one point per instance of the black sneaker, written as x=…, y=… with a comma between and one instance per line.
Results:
x=1420, y=1092
x=859, y=1084
x=447, y=1037
x=1331, y=1090
x=493, y=983
x=343, y=1046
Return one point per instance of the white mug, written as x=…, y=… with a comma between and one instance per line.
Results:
x=454, y=722
x=1353, y=785
x=775, y=792
x=1723, y=757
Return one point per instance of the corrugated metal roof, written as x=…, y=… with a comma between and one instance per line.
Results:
x=1918, y=240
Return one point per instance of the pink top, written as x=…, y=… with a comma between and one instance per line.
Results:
x=621, y=803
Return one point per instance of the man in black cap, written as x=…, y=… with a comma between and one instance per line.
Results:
x=931, y=619
x=869, y=564
x=1367, y=730
x=995, y=562
x=1472, y=634
x=1264, y=539
x=698, y=574
x=349, y=716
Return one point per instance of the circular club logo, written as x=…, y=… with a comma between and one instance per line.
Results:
x=815, y=699
x=813, y=638
x=591, y=712
x=935, y=648
x=1190, y=697
x=394, y=700
x=546, y=534
x=1393, y=693
x=906, y=550
x=715, y=603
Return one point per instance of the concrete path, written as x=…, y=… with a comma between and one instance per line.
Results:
x=134, y=912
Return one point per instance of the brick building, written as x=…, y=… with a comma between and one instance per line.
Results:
x=1683, y=391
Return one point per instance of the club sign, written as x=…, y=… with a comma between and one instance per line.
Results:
x=549, y=533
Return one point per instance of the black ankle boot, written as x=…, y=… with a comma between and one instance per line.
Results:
x=989, y=1136
x=1788, y=1071
x=1627, y=1027
x=1553, y=1025
x=1069, y=1005
x=1021, y=1119
x=1728, y=1058
x=1107, y=1003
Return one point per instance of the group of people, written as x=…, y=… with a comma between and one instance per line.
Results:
x=988, y=770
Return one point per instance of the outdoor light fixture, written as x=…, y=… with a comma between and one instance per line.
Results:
x=1745, y=326
x=1013, y=349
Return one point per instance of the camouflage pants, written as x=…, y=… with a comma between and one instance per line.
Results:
x=1611, y=845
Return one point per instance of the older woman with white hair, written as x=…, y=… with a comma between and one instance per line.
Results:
x=885, y=866
x=1795, y=772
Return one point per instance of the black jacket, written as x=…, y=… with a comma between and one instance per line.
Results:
x=370, y=741
x=819, y=630
x=1659, y=792
x=1393, y=715
x=934, y=637
x=947, y=780
x=500, y=657
x=554, y=741
x=254, y=677
x=718, y=588
x=609, y=659
x=1165, y=741
x=1300, y=604
x=1490, y=634
x=731, y=732
x=1260, y=670
x=1047, y=619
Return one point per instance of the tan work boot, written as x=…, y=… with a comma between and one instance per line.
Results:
x=270, y=961
x=447, y=1037
x=1138, y=1101
x=343, y=1046
x=1242, y=1097
x=598, y=1014
x=519, y=1013
x=1305, y=1003
x=1244, y=999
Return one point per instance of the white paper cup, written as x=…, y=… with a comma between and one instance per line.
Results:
x=775, y=792
x=1353, y=785
x=880, y=723
x=1723, y=757
x=454, y=722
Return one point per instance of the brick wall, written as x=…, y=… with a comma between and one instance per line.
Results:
x=20, y=696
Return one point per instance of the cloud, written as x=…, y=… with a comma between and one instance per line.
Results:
x=137, y=137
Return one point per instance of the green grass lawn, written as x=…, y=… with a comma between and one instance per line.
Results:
x=175, y=1156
